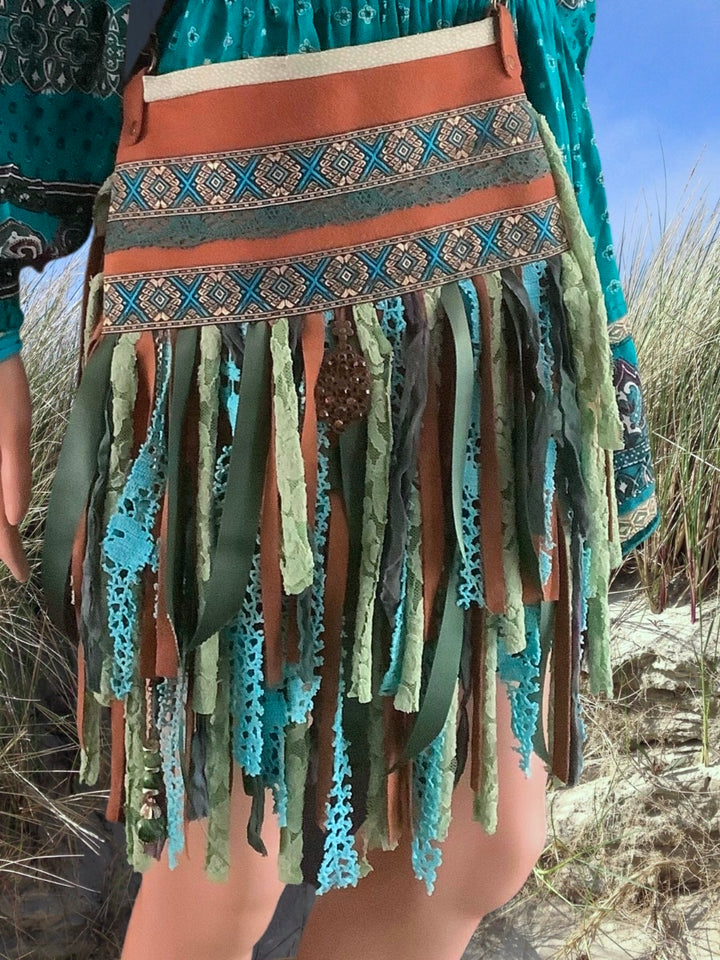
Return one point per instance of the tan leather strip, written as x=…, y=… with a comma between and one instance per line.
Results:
x=562, y=669
x=335, y=587
x=313, y=348
x=270, y=576
x=398, y=800
x=166, y=653
x=113, y=811
x=551, y=591
x=292, y=632
x=148, y=631
x=490, y=499
x=479, y=654
x=431, y=503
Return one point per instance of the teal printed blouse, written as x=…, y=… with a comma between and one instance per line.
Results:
x=59, y=119
x=56, y=148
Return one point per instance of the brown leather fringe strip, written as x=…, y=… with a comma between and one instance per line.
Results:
x=292, y=633
x=479, y=652
x=562, y=669
x=551, y=590
x=270, y=575
x=398, y=783
x=313, y=347
x=114, y=809
x=490, y=499
x=166, y=652
x=431, y=503
x=335, y=587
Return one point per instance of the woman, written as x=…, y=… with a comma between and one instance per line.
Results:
x=385, y=500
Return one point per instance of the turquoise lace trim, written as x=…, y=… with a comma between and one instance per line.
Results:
x=393, y=675
x=427, y=799
x=340, y=865
x=471, y=586
x=172, y=696
x=246, y=638
x=521, y=674
x=128, y=545
x=302, y=686
x=275, y=720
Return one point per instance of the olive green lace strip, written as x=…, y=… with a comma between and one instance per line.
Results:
x=90, y=753
x=514, y=618
x=449, y=762
x=134, y=770
x=407, y=698
x=377, y=350
x=296, y=559
x=486, y=800
x=297, y=754
x=208, y=376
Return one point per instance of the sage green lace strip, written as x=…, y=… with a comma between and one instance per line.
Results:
x=486, y=800
x=90, y=754
x=407, y=698
x=217, y=771
x=296, y=560
x=297, y=753
x=514, y=625
x=448, y=767
x=208, y=377
x=94, y=309
x=595, y=377
x=375, y=826
x=377, y=350
x=134, y=770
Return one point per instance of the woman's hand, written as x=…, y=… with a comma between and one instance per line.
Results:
x=15, y=468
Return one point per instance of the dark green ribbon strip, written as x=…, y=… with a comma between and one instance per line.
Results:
x=183, y=362
x=446, y=662
x=232, y=559
x=73, y=478
x=547, y=632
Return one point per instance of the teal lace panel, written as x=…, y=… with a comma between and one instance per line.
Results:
x=275, y=719
x=172, y=695
x=427, y=803
x=128, y=545
x=471, y=588
x=340, y=865
x=521, y=674
x=302, y=686
x=246, y=638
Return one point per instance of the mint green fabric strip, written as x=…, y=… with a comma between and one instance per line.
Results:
x=296, y=560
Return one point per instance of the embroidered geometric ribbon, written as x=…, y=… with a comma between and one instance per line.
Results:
x=420, y=169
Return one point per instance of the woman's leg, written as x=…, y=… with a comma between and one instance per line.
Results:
x=181, y=915
x=389, y=916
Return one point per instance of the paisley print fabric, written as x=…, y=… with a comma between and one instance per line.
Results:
x=60, y=107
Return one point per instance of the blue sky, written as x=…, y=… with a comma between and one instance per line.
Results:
x=653, y=82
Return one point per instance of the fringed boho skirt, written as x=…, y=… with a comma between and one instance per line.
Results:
x=308, y=542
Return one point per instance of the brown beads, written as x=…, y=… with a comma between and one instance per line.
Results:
x=342, y=391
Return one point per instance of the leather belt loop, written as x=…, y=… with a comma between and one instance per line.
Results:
x=506, y=40
x=133, y=110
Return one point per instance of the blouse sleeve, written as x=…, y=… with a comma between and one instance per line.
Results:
x=60, y=114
